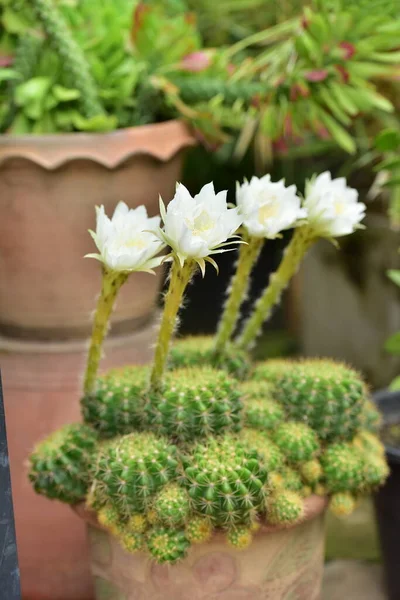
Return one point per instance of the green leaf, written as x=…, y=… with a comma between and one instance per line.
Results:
x=8, y=74
x=389, y=139
x=395, y=385
x=377, y=100
x=63, y=94
x=14, y=22
x=392, y=182
x=31, y=95
x=98, y=123
x=343, y=139
x=389, y=164
x=392, y=345
x=342, y=98
x=394, y=275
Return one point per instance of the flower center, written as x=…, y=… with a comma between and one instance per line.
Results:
x=339, y=207
x=268, y=211
x=137, y=242
x=201, y=224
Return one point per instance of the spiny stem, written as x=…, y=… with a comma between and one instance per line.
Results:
x=179, y=279
x=301, y=241
x=111, y=284
x=248, y=254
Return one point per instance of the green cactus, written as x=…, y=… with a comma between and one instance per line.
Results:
x=116, y=407
x=172, y=506
x=198, y=530
x=270, y=371
x=326, y=395
x=167, y=545
x=201, y=89
x=272, y=457
x=261, y=412
x=311, y=471
x=131, y=469
x=195, y=351
x=60, y=465
x=375, y=472
x=369, y=443
x=195, y=402
x=108, y=516
x=240, y=537
x=132, y=542
x=298, y=442
x=285, y=508
x=137, y=523
x=371, y=418
x=291, y=480
x=226, y=481
x=71, y=55
x=343, y=468
x=342, y=504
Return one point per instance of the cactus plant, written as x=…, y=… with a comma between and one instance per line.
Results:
x=225, y=481
x=59, y=465
x=194, y=351
x=116, y=406
x=131, y=469
x=285, y=508
x=195, y=402
x=167, y=545
x=342, y=504
x=171, y=506
x=272, y=457
x=240, y=537
x=328, y=396
x=343, y=467
x=198, y=530
x=298, y=441
x=261, y=411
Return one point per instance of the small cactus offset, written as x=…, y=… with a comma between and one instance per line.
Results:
x=342, y=504
x=285, y=508
x=167, y=545
x=297, y=441
x=328, y=396
x=225, y=481
x=261, y=411
x=198, y=530
x=371, y=418
x=195, y=403
x=172, y=506
x=272, y=457
x=343, y=468
x=240, y=537
x=195, y=351
x=116, y=406
x=60, y=465
x=131, y=470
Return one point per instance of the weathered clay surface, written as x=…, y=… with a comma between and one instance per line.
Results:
x=284, y=564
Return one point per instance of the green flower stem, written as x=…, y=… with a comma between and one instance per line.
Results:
x=179, y=279
x=111, y=284
x=248, y=254
x=302, y=240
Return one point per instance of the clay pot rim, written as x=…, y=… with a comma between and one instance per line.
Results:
x=161, y=141
x=313, y=506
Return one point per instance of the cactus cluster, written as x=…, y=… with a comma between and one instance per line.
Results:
x=195, y=402
x=195, y=351
x=328, y=396
x=164, y=470
x=60, y=465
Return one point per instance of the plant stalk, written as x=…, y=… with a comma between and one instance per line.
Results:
x=111, y=284
x=179, y=279
x=302, y=240
x=248, y=255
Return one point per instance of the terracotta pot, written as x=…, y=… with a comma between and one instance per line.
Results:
x=280, y=564
x=49, y=186
x=41, y=392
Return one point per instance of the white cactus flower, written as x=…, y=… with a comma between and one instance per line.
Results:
x=197, y=227
x=128, y=241
x=268, y=207
x=333, y=208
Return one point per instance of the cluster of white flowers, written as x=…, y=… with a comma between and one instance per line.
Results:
x=197, y=227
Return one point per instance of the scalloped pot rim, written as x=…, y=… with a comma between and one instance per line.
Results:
x=313, y=506
x=160, y=141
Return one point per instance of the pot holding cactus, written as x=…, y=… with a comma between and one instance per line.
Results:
x=204, y=475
